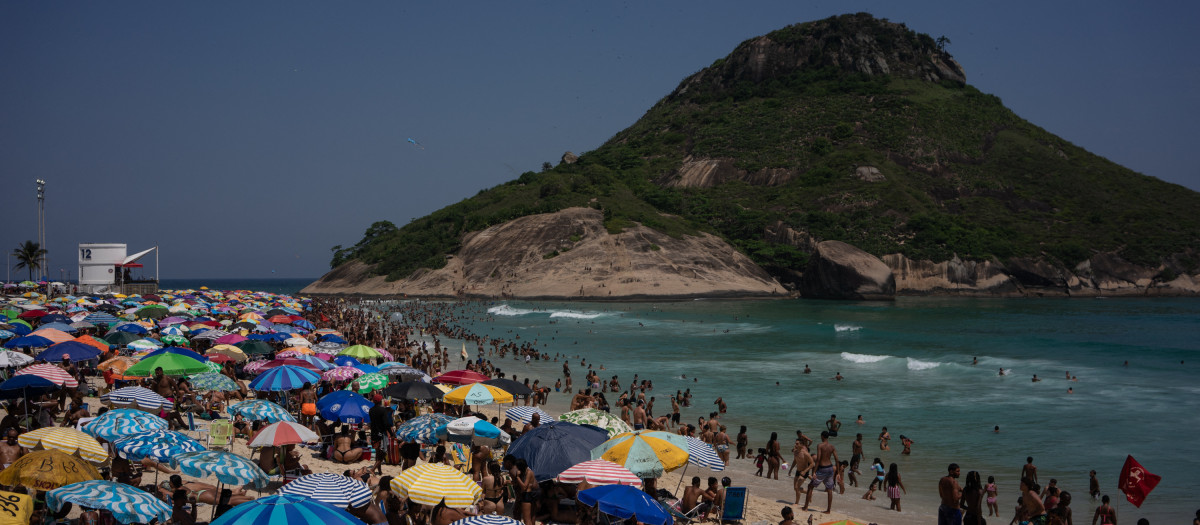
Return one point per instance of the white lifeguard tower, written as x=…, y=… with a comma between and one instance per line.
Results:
x=106, y=268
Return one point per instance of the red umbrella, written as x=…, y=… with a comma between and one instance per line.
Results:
x=294, y=362
x=32, y=314
x=280, y=319
x=461, y=377
x=600, y=472
x=219, y=358
x=53, y=373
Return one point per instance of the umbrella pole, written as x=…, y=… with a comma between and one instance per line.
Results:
x=215, y=502
x=681, y=474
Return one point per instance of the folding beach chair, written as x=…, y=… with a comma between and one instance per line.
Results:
x=194, y=426
x=220, y=432
x=672, y=506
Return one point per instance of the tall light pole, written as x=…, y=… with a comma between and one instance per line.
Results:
x=41, y=196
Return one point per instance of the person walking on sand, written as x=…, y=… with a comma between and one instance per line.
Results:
x=826, y=472
x=992, y=492
x=949, y=512
x=774, y=458
x=1029, y=471
x=894, y=486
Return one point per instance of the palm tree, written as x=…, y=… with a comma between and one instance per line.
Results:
x=29, y=255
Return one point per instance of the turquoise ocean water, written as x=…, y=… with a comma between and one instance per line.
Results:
x=908, y=366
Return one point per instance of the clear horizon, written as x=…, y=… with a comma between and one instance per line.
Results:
x=247, y=140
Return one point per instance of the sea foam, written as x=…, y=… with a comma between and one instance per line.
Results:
x=863, y=358
x=846, y=328
x=507, y=310
x=575, y=315
x=916, y=364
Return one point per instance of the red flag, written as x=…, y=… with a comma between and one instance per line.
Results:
x=1136, y=482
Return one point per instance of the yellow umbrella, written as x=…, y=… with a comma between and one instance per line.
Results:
x=477, y=394
x=232, y=351
x=430, y=483
x=48, y=470
x=443, y=388
x=65, y=439
x=647, y=453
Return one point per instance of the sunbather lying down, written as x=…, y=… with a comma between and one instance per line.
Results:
x=200, y=492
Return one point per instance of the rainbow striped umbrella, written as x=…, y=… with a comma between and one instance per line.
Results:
x=477, y=394
x=430, y=483
x=65, y=439
x=284, y=377
x=646, y=453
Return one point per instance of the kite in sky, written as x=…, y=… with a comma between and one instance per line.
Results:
x=415, y=143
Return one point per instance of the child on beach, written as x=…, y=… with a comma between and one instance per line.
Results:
x=877, y=468
x=990, y=489
x=760, y=461
x=894, y=486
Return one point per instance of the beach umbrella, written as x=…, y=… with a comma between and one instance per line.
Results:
x=599, y=472
x=130, y=328
x=120, y=338
x=253, y=366
x=321, y=364
x=253, y=347
x=283, y=433
x=82, y=325
x=508, y=385
x=98, y=344
x=230, y=339
x=590, y=416
x=487, y=519
x=703, y=455
x=327, y=487
x=233, y=352
x=50, y=372
x=290, y=362
x=299, y=342
x=5, y=334
x=367, y=369
x=172, y=365
x=360, y=352
x=422, y=429
x=368, y=383
x=121, y=422
x=177, y=351
x=213, y=382
x=430, y=483
x=557, y=445
x=647, y=453
x=74, y=350
x=472, y=430
x=210, y=334
x=341, y=373
x=142, y=345
x=157, y=444
x=284, y=377
x=286, y=508
x=19, y=329
x=304, y=323
x=626, y=502
x=350, y=407
x=57, y=332
x=334, y=338
x=136, y=397
x=416, y=390
x=328, y=346
x=403, y=372
x=260, y=410
x=177, y=340
x=345, y=360
x=28, y=341
x=477, y=394
x=48, y=470
x=8, y=358
x=525, y=414
x=229, y=468
x=127, y=504
x=153, y=311
x=219, y=358
x=120, y=364
x=460, y=377
x=99, y=318
x=172, y=330
x=64, y=439
x=341, y=396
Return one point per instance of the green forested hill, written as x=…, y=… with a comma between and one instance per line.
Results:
x=789, y=119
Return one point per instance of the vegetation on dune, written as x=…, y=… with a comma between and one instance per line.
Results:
x=962, y=175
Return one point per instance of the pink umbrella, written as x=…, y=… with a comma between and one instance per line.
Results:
x=231, y=339
x=288, y=353
x=53, y=373
x=253, y=367
x=600, y=472
x=342, y=373
x=294, y=362
x=283, y=433
x=323, y=356
x=387, y=356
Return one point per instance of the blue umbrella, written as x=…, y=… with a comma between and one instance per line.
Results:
x=20, y=329
x=177, y=350
x=340, y=396
x=133, y=328
x=127, y=504
x=702, y=454
x=367, y=369
x=285, y=377
x=315, y=361
x=352, y=409
x=260, y=410
x=333, y=338
x=626, y=502
x=345, y=360
x=284, y=329
x=60, y=326
x=51, y=319
x=229, y=468
x=556, y=446
x=74, y=349
x=28, y=341
x=423, y=429
x=115, y=424
x=333, y=489
x=5, y=334
x=100, y=318
x=25, y=385
x=285, y=508
x=157, y=444
x=304, y=323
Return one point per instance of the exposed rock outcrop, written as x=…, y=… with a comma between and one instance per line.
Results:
x=840, y=271
x=707, y=173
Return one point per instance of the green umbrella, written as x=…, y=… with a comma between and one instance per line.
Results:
x=154, y=311
x=20, y=322
x=368, y=382
x=11, y=314
x=590, y=416
x=210, y=381
x=172, y=365
x=177, y=340
x=121, y=338
x=360, y=352
x=254, y=346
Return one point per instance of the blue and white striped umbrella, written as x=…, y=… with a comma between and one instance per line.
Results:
x=486, y=519
x=702, y=454
x=135, y=397
x=286, y=377
x=128, y=504
x=101, y=317
x=116, y=424
x=422, y=429
x=282, y=509
x=229, y=468
x=158, y=444
x=525, y=414
x=260, y=410
x=327, y=487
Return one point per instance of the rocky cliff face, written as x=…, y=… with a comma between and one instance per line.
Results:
x=570, y=255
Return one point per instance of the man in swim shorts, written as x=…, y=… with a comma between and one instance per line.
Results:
x=833, y=425
x=308, y=405
x=951, y=494
x=826, y=472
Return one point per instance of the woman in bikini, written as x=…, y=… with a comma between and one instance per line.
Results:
x=774, y=458
x=200, y=492
x=344, y=450
x=492, y=484
x=991, y=491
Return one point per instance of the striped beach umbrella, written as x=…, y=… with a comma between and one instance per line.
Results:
x=135, y=397
x=525, y=414
x=9, y=358
x=599, y=418
x=64, y=439
x=213, y=382
x=703, y=455
x=486, y=519
x=422, y=429
x=127, y=504
x=101, y=318
x=360, y=352
x=321, y=364
x=51, y=372
x=253, y=367
x=286, y=508
x=260, y=410
x=477, y=394
x=285, y=377
x=341, y=373
x=115, y=424
x=646, y=453
x=229, y=468
x=600, y=472
x=157, y=444
x=368, y=383
x=327, y=487
x=283, y=433
x=430, y=483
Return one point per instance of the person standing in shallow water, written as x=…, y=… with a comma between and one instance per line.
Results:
x=774, y=458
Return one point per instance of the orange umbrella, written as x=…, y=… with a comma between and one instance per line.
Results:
x=93, y=342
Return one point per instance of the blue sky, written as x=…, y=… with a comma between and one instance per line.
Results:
x=247, y=138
